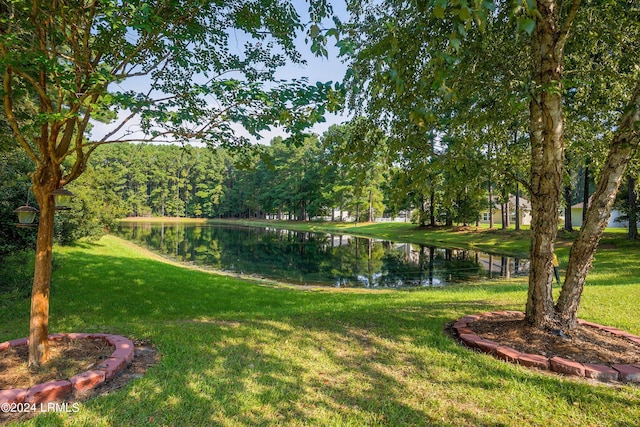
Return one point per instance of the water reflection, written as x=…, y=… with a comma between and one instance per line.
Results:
x=317, y=258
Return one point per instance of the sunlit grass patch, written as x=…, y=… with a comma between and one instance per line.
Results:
x=239, y=353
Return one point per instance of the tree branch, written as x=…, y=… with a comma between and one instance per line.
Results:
x=8, y=108
x=36, y=86
x=566, y=26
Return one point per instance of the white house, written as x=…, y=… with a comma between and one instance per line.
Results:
x=576, y=217
x=525, y=212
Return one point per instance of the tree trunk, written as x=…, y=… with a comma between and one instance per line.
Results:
x=303, y=211
x=39, y=319
x=585, y=194
x=633, y=220
x=568, y=223
x=490, y=205
x=623, y=147
x=547, y=155
x=507, y=213
x=178, y=198
x=370, y=214
x=517, y=222
x=432, y=212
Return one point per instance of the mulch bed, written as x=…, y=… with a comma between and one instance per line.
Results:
x=67, y=358
x=585, y=344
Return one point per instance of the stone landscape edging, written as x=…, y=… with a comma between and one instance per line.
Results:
x=59, y=389
x=622, y=372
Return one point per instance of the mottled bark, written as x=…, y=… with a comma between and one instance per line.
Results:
x=623, y=147
x=547, y=158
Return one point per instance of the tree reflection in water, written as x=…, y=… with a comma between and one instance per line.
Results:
x=318, y=259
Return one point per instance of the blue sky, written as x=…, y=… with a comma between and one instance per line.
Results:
x=316, y=69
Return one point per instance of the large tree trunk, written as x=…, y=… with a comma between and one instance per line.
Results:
x=623, y=147
x=547, y=155
x=39, y=318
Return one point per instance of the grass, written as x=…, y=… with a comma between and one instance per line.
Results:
x=241, y=353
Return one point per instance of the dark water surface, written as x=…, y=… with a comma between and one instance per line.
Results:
x=307, y=258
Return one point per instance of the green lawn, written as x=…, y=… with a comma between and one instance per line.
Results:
x=241, y=353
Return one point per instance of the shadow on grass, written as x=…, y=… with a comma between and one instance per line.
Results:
x=238, y=353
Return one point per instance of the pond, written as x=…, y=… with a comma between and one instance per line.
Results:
x=307, y=258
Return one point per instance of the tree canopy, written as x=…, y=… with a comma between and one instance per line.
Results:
x=155, y=69
x=481, y=71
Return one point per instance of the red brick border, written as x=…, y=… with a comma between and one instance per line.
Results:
x=628, y=373
x=58, y=390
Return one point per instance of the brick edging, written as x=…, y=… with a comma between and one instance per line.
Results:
x=628, y=373
x=58, y=390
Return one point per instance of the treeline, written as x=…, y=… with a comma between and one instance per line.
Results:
x=280, y=180
x=352, y=172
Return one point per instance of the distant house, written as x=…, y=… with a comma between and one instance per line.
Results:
x=525, y=212
x=576, y=217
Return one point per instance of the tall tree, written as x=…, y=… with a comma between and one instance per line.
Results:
x=166, y=65
x=361, y=153
x=438, y=60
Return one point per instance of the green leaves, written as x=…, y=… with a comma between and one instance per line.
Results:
x=439, y=8
x=181, y=73
x=526, y=24
x=314, y=31
x=462, y=12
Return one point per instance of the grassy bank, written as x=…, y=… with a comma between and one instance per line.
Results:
x=239, y=353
